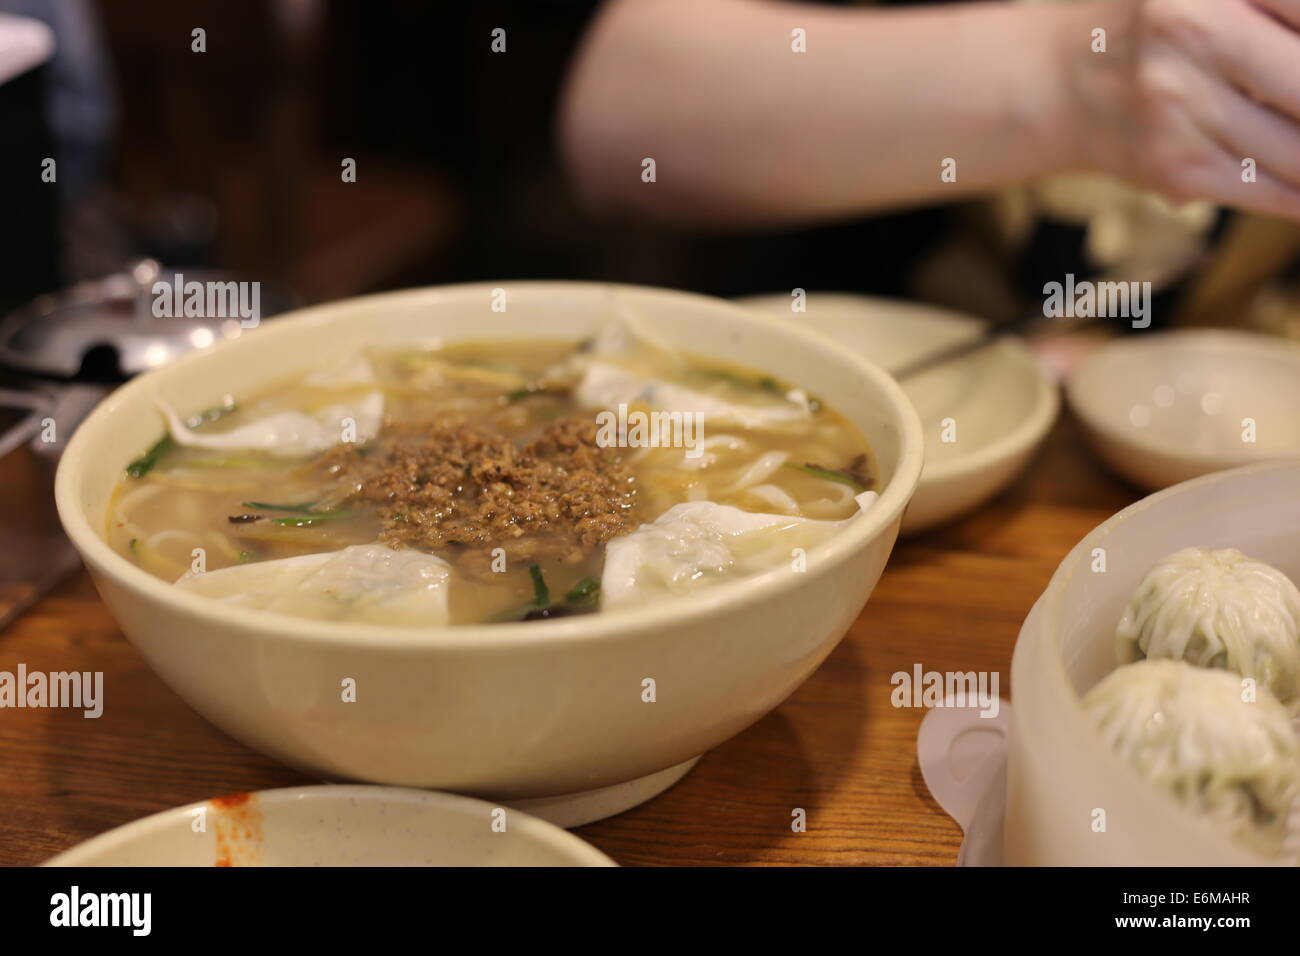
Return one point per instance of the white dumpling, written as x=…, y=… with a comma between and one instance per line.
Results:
x=699, y=543
x=1235, y=762
x=368, y=583
x=288, y=434
x=348, y=371
x=606, y=385
x=1218, y=608
x=616, y=370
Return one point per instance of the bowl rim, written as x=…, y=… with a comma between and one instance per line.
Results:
x=1029, y=429
x=887, y=509
x=1046, y=647
x=1024, y=437
x=579, y=851
x=1126, y=348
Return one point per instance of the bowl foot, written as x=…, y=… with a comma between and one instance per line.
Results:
x=570, y=810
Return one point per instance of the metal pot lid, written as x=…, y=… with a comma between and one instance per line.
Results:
x=126, y=323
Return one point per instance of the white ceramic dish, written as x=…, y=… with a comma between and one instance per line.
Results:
x=1163, y=408
x=1059, y=770
x=337, y=826
x=1000, y=402
x=963, y=761
x=547, y=715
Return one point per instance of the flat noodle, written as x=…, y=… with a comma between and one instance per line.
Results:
x=774, y=498
x=759, y=471
x=224, y=546
x=195, y=482
x=839, y=497
x=173, y=548
x=308, y=537
x=136, y=496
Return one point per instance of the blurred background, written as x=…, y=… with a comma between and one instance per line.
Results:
x=232, y=159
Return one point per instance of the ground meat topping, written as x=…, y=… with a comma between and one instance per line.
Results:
x=447, y=482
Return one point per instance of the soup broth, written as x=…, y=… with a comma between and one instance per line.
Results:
x=517, y=464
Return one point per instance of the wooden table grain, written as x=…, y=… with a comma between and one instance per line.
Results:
x=951, y=599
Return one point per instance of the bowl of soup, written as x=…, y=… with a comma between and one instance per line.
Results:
x=544, y=543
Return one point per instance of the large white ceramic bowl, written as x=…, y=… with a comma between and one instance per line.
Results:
x=1163, y=408
x=336, y=826
x=550, y=714
x=1059, y=771
x=996, y=403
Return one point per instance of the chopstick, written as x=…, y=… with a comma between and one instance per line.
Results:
x=987, y=337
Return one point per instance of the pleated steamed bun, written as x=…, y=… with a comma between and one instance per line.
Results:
x=1195, y=734
x=1218, y=609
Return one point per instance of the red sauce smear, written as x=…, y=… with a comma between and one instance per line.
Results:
x=237, y=825
x=231, y=800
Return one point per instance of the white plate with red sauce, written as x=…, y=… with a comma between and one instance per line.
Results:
x=337, y=825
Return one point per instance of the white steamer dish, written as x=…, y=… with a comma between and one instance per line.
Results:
x=1061, y=777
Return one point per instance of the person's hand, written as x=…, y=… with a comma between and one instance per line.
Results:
x=1188, y=92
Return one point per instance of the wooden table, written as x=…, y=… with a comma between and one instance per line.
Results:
x=952, y=599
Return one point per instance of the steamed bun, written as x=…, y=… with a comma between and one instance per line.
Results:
x=1235, y=762
x=1218, y=609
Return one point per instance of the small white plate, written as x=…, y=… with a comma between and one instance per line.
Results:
x=1167, y=407
x=348, y=825
x=1001, y=405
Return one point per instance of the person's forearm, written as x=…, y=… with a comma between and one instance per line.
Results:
x=743, y=129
